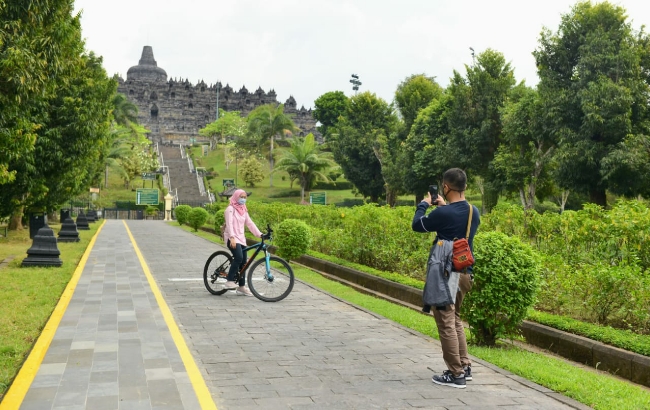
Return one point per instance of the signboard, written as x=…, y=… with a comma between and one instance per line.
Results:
x=148, y=176
x=318, y=198
x=146, y=196
x=94, y=190
x=228, y=182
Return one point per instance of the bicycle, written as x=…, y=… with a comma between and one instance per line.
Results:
x=270, y=279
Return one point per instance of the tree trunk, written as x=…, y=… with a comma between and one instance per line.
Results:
x=271, y=162
x=302, y=194
x=391, y=198
x=16, y=220
x=106, y=177
x=598, y=197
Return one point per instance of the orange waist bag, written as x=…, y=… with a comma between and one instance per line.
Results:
x=462, y=257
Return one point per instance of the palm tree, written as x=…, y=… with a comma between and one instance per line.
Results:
x=305, y=160
x=267, y=121
x=124, y=111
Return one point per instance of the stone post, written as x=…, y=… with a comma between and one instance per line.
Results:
x=168, y=207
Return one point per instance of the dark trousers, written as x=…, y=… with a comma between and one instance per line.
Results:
x=450, y=329
x=239, y=255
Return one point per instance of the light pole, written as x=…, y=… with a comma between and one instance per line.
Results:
x=472, y=50
x=355, y=83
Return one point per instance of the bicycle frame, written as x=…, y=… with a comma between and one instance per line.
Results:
x=261, y=246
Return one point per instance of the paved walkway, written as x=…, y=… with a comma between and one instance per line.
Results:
x=113, y=349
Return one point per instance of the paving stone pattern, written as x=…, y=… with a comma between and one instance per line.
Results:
x=113, y=349
x=309, y=351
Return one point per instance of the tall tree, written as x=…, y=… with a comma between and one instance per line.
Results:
x=124, y=111
x=595, y=70
x=304, y=160
x=328, y=108
x=229, y=124
x=38, y=39
x=415, y=93
x=357, y=145
x=269, y=121
x=424, y=153
x=73, y=132
x=475, y=118
x=523, y=159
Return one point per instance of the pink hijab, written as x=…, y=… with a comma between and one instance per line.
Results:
x=233, y=201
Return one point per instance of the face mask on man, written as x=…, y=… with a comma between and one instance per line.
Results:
x=241, y=201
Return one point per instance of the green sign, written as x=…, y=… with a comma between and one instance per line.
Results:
x=228, y=182
x=318, y=198
x=145, y=196
x=148, y=176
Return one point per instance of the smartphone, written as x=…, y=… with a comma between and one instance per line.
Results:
x=433, y=190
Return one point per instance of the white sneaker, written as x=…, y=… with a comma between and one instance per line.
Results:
x=243, y=291
x=230, y=285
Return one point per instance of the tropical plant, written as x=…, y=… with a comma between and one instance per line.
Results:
x=305, y=160
x=268, y=122
x=124, y=111
x=197, y=217
x=506, y=281
x=251, y=172
x=293, y=238
x=182, y=213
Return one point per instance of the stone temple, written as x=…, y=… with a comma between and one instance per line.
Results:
x=174, y=110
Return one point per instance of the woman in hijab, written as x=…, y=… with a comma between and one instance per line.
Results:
x=236, y=217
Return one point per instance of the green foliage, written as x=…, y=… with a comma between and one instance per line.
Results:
x=182, y=213
x=505, y=285
x=328, y=108
x=624, y=339
x=340, y=186
x=213, y=208
x=415, y=93
x=292, y=238
x=197, y=217
x=362, y=140
x=305, y=161
x=229, y=124
x=267, y=122
x=590, y=74
x=151, y=210
x=250, y=170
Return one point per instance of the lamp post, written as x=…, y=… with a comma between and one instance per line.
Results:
x=355, y=83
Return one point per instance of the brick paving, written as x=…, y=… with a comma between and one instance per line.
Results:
x=310, y=351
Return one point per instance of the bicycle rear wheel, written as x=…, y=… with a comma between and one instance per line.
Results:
x=216, y=272
x=275, y=285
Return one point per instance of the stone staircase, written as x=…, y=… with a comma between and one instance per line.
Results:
x=182, y=180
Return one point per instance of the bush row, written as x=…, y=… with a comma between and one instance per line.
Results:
x=594, y=262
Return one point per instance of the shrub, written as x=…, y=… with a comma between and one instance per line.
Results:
x=212, y=208
x=182, y=212
x=292, y=238
x=197, y=218
x=505, y=286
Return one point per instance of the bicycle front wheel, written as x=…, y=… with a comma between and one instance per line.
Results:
x=215, y=272
x=272, y=285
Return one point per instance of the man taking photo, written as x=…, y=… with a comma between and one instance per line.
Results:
x=450, y=222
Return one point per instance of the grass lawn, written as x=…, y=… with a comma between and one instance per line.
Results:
x=597, y=390
x=28, y=296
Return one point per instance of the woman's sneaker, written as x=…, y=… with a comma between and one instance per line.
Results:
x=230, y=285
x=468, y=373
x=448, y=379
x=243, y=291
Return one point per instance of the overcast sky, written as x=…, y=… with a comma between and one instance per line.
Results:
x=309, y=47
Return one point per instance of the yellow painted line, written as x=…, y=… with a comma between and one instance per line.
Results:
x=200, y=388
x=16, y=394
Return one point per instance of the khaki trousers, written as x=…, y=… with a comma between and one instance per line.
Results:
x=450, y=329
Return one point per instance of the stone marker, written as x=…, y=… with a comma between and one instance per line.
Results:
x=82, y=222
x=44, y=251
x=68, y=232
